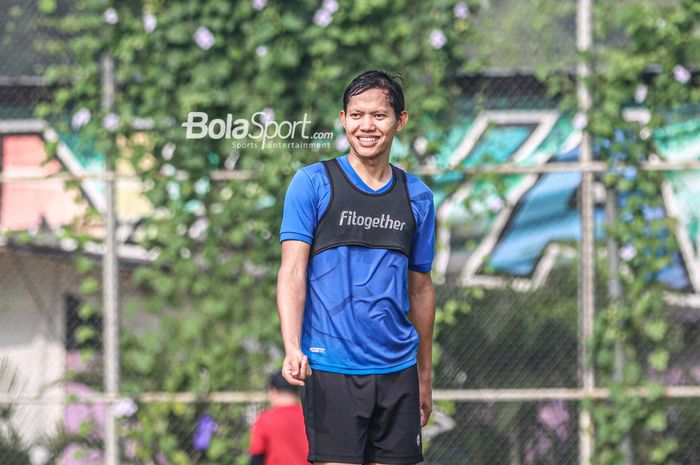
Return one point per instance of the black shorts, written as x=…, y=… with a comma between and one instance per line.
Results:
x=363, y=418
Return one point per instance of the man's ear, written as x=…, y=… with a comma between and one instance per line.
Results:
x=402, y=120
x=341, y=116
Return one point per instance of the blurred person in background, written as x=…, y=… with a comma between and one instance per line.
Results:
x=277, y=436
x=354, y=293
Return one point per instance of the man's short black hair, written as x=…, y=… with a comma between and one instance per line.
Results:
x=374, y=79
x=278, y=382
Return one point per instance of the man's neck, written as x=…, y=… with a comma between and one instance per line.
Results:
x=285, y=401
x=375, y=172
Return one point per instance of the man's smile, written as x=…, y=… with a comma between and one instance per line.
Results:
x=368, y=141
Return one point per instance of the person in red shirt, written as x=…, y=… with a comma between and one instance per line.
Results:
x=278, y=436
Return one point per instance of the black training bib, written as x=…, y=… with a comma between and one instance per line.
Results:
x=353, y=217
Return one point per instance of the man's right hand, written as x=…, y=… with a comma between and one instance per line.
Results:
x=295, y=368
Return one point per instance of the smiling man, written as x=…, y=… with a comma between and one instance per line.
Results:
x=354, y=293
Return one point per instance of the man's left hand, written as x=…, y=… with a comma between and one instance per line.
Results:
x=426, y=401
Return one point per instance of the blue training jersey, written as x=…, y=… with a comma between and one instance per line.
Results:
x=355, y=315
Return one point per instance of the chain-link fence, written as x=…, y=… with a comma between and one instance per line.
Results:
x=507, y=374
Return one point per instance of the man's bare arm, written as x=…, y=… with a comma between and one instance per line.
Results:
x=421, y=294
x=291, y=295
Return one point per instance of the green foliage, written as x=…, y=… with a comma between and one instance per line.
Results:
x=12, y=448
x=536, y=35
x=647, y=66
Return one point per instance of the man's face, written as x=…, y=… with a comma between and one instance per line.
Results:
x=370, y=123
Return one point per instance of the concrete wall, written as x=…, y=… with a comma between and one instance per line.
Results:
x=31, y=333
x=33, y=286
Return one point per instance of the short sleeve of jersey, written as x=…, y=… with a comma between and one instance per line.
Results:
x=299, y=218
x=423, y=244
x=258, y=441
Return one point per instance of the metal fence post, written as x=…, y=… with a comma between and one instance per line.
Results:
x=584, y=42
x=615, y=292
x=110, y=282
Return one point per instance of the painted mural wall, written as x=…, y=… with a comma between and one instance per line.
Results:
x=515, y=236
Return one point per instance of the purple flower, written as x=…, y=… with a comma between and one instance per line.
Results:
x=261, y=51
x=198, y=229
x=681, y=74
x=495, y=204
x=342, y=143
x=149, y=22
x=111, y=16
x=110, y=122
x=258, y=4
x=268, y=115
x=696, y=372
x=330, y=6
x=39, y=455
x=641, y=93
x=204, y=38
x=537, y=447
x=529, y=452
x=168, y=151
x=628, y=252
x=206, y=427
x=437, y=38
x=168, y=170
x=554, y=416
x=323, y=17
x=461, y=10
x=81, y=118
x=124, y=408
x=674, y=377
x=420, y=145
